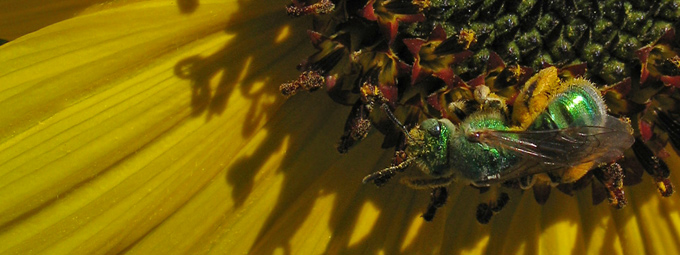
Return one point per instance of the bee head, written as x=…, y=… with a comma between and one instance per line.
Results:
x=429, y=145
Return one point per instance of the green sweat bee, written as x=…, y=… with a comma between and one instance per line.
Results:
x=558, y=131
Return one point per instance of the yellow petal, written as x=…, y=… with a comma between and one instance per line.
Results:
x=149, y=128
x=20, y=17
x=114, y=119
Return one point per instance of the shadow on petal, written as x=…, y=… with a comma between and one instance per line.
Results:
x=253, y=64
x=320, y=205
x=20, y=17
x=187, y=6
x=247, y=62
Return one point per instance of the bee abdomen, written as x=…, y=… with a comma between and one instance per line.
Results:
x=579, y=105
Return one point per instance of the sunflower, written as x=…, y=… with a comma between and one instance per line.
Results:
x=157, y=127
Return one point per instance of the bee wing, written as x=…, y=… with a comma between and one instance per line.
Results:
x=557, y=149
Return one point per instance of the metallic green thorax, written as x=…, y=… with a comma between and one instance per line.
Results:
x=579, y=105
x=476, y=161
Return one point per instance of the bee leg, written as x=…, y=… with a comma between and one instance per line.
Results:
x=554, y=179
x=612, y=177
x=526, y=182
x=381, y=177
x=484, y=213
x=425, y=183
x=541, y=192
x=486, y=210
x=541, y=188
x=437, y=199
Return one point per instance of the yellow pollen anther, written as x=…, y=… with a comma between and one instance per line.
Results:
x=467, y=37
x=676, y=61
x=422, y=4
x=517, y=71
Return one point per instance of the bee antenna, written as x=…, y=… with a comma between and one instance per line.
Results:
x=394, y=119
x=388, y=172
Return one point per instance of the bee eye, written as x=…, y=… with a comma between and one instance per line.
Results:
x=435, y=130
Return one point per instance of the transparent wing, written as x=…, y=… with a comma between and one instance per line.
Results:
x=558, y=149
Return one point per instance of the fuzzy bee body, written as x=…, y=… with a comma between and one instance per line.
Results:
x=560, y=130
x=565, y=141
